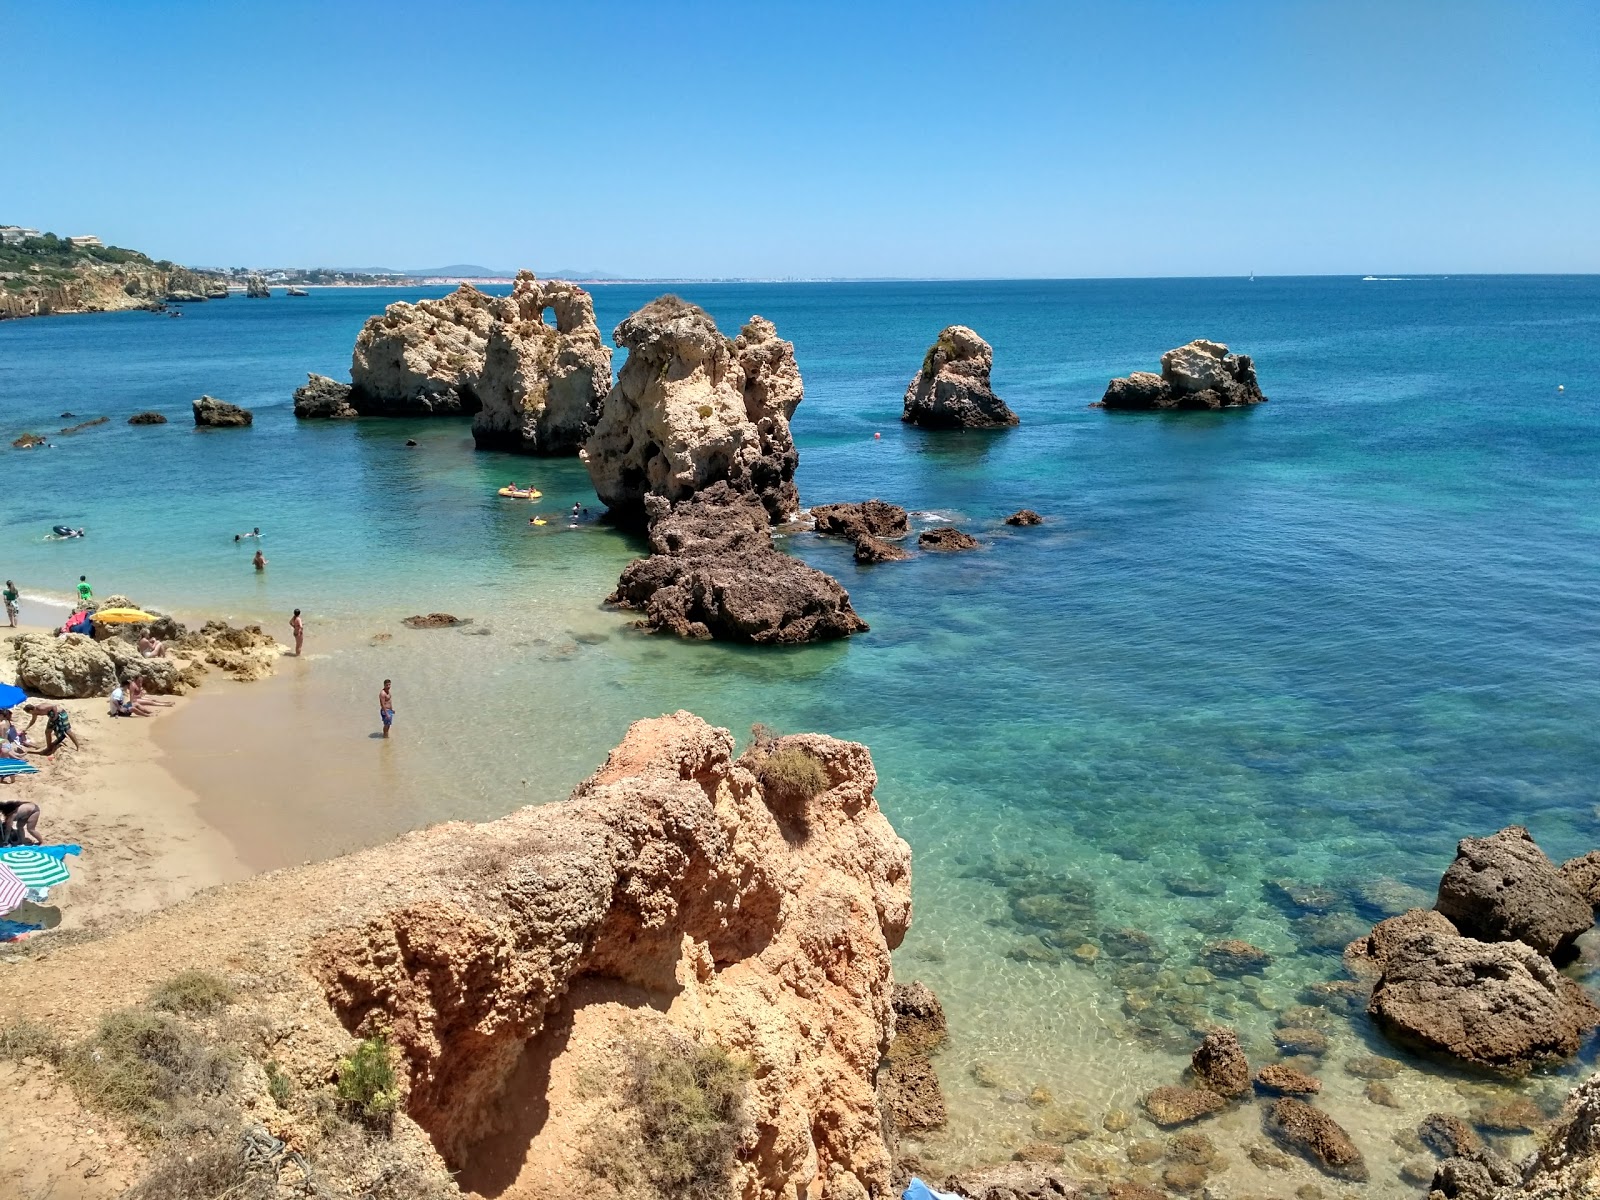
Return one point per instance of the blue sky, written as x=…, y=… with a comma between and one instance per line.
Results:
x=815, y=139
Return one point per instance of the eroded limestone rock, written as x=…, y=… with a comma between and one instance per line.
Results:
x=1201, y=375
x=322, y=398
x=1315, y=1136
x=423, y=359
x=1219, y=1064
x=952, y=390
x=63, y=668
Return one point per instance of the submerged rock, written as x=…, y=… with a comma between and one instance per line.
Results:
x=1502, y=887
x=1024, y=516
x=1015, y=1181
x=1219, y=1064
x=214, y=413
x=952, y=390
x=715, y=574
x=147, y=418
x=1284, y=1080
x=1315, y=1136
x=423, y=359
x=875, y=550
x=1202, y=374
x=1232, y=958
x=541, y=386
x=911, y=1087
x=692, y=408
x=1498, y=1006
x=436, y=620
x=1170, y=1106
x=322, y=398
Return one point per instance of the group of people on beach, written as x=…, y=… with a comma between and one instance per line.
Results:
x=19, y=817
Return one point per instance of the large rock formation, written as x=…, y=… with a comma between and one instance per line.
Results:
x=952, y=390
x=541, y=386
x=255, y=288
x=714, y=573
x=1567, y=1163
x=1502, y=887
x=322, y=398
x=673, y=899
x=219, y=414
x=1200, y=375
x=63, y=668
x=692, y=407
x=423, y=359
x=1501, y=1007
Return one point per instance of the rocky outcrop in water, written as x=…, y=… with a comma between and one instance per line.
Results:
x=946, y=539
x=324, y=399
x=673, y=899
x=873, y=518
x=147, y=418
x=952, y=390
x=209, y=412
x=713, y=573
x=255, y=288
x=914, y=1099
x=541, y=386
x=1315, y=1136
x=1219, y=1064
x=1201, y=375
x=423, y=359
x=692, y=407
x=1024, y=516
x=1502, y=887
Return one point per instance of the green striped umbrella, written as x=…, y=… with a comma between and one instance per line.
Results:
x=34, y=867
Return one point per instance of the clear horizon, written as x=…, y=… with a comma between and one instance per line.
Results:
x=892, y=141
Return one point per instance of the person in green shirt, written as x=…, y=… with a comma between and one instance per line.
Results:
x=11, y=597
x=85, y=592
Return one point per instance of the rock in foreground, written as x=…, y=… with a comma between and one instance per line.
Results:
x=692, y=408
x=1500, y=1007
x=715, y=574
x=219, y=414
x=1316, y=1136
x=952, y=390
x=323, y=399
x=541, y=387
x=72, y=667
x=662, y=902
x=1502, y=887
x=1200, y=375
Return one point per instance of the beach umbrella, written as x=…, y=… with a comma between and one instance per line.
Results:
x=34, y=867
x=122, y=616
x=12, y=890
x=11, y=697
x=16, y=766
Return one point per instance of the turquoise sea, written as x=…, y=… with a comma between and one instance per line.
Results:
x=1313, y=642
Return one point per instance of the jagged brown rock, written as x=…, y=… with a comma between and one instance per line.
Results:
x=947, y=539
x=1502, y=887
x=219, y=414
x=911, y=1085
x=1283, y=1080
x=875, y=550
x=1583, y=873
x=1497, y=1006
x=1219, y=1064
x=1367, y=956
x=147, y=418
x=874, y=518
x=952, y=390
x=663, y=902
x=692, y=407
x=1019, y=1181
x=1567, y=1164
x=1200, y=375
x=715, y=574
x=1315, y=1136
x=1024, y=516
x=322, y=398
x=541, y=386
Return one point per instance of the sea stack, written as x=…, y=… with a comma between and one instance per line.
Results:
x=1201, y=375
x=952, y=390
x=255, y=288
x=423, y=359
x=541, y=387
x=219, y=414
x=693, y=407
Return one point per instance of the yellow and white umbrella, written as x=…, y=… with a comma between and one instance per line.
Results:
x=122, y=616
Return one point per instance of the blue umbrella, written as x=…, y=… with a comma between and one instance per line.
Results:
x=11, y=697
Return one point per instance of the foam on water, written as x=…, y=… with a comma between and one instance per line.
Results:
x=1314, y=642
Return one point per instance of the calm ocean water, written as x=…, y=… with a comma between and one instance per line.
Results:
x=1318, y=641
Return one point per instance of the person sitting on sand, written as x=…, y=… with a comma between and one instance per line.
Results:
x=12, y=740
x=12, y=596
x=19, y=823
x=150, y=646
x=10, y=750
x=142, y=701
x=260, y=561
x=57, y=726
x=121, y=706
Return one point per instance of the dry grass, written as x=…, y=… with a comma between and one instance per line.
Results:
x=192, y=992
x=148, y=1067
x=790, y=775
x=29, y=1039
x=680, y=1122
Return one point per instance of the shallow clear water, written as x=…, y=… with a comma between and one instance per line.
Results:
x=1316, y=641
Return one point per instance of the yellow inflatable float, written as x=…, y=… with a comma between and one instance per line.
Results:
x=517, y=493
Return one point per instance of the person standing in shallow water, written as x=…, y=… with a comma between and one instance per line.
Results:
x=299, y=627
x=260, y=561
x=386, y=706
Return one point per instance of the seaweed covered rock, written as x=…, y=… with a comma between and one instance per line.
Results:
x=423, y=359
x=1502, y=887
x=714, y=573
x=322, y=398
x=1497, y=1006
x=71, y=667
x=1200, y=375
x=542, y=384
x=1219, y=1064
x=692, y=407
x=212, y=413
x=952, y=390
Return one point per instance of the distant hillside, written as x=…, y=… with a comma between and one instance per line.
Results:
x=472, y=271
x=46, y=274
